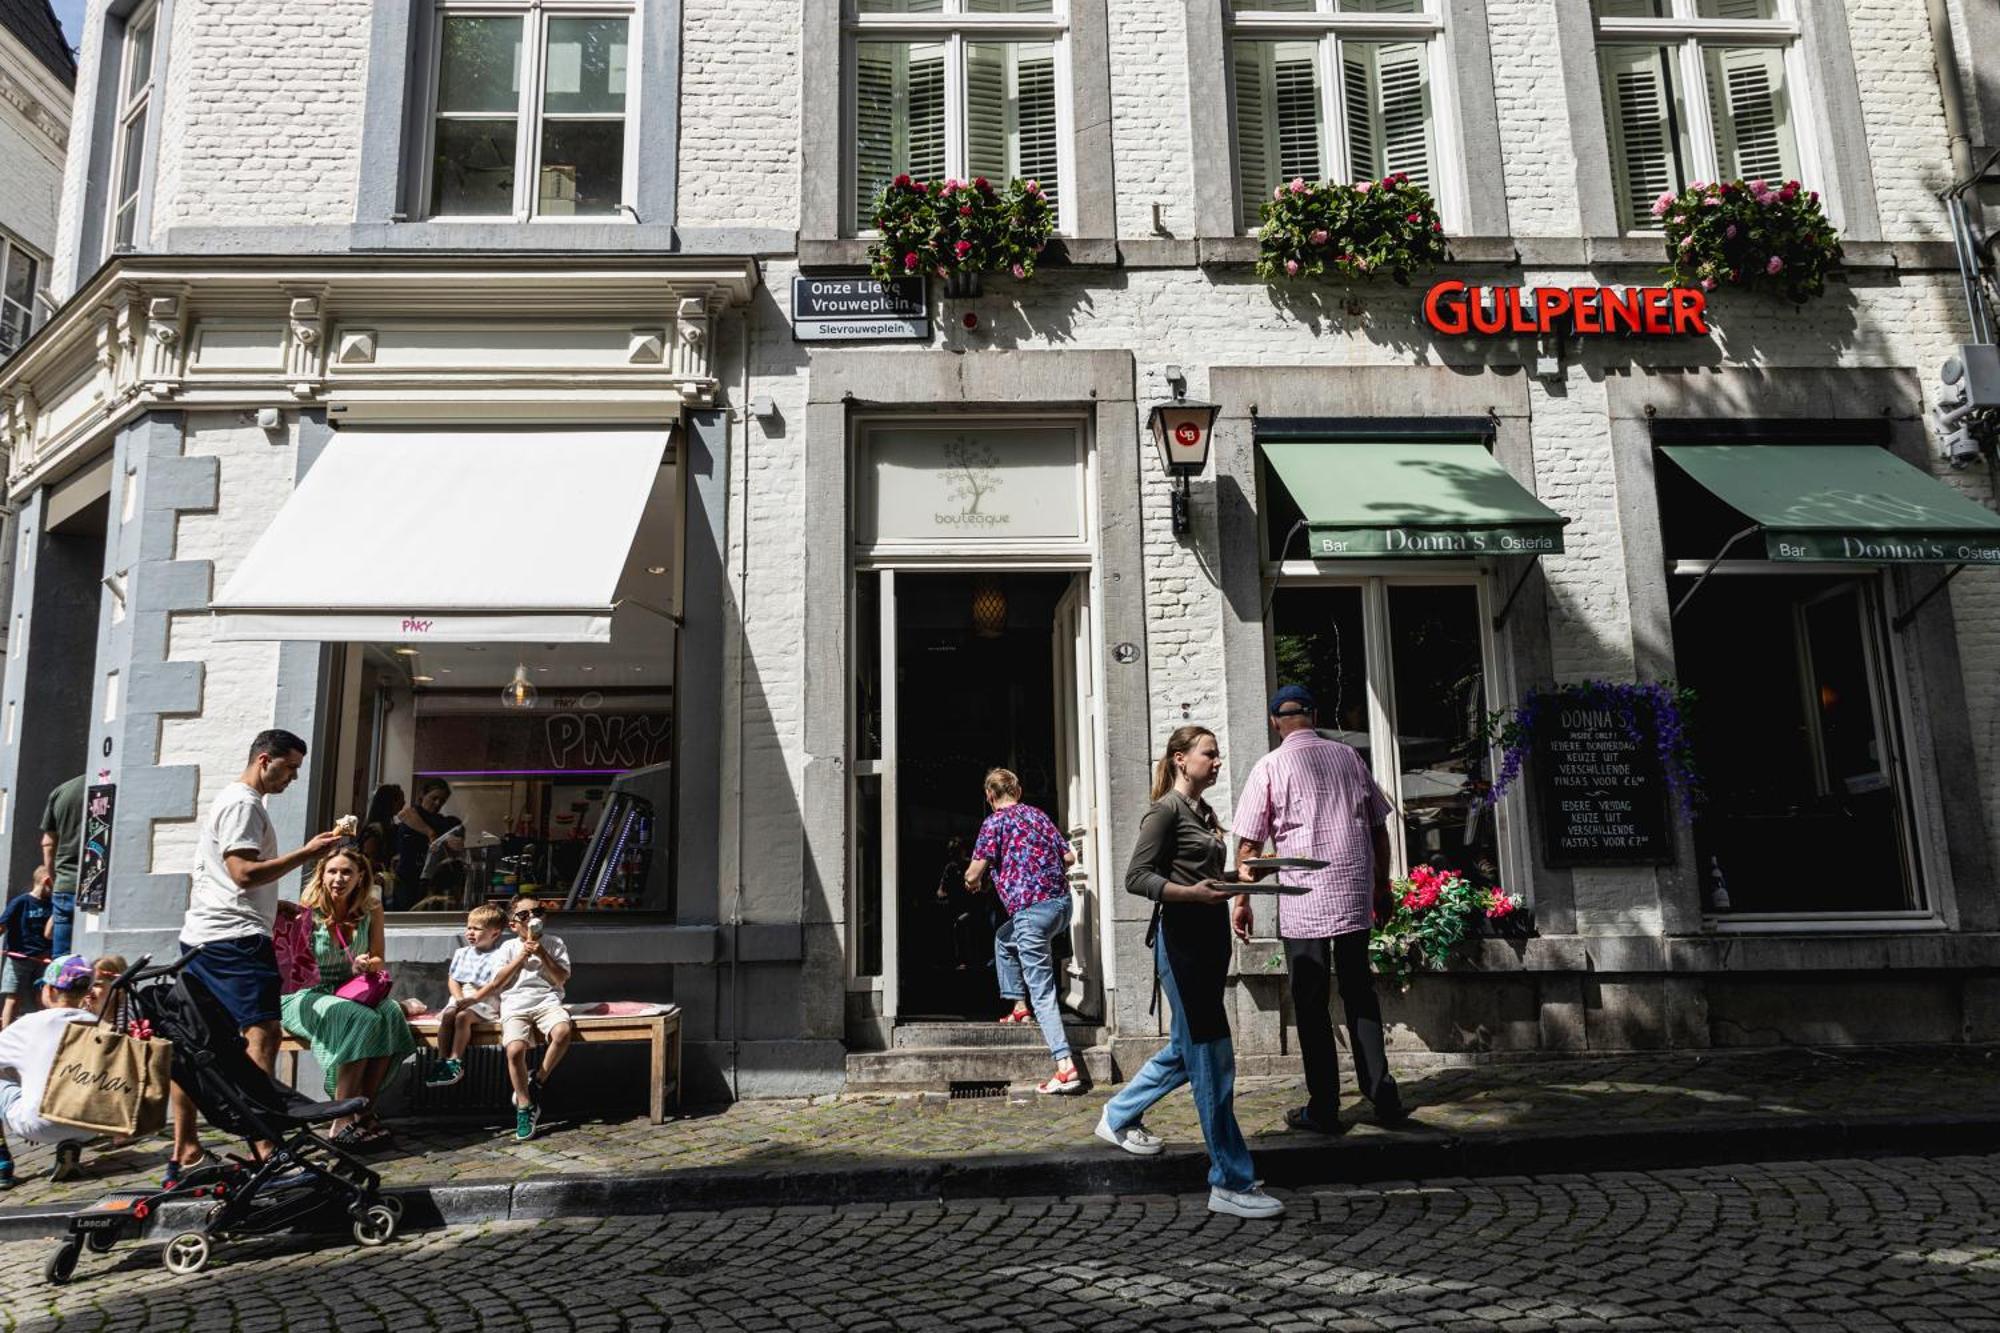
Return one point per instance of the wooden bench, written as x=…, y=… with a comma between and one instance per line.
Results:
x=662, y=1031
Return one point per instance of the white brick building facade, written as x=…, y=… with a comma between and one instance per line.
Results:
x=267, y=186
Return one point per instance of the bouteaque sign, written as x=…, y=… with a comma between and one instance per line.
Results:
x=1456, y=308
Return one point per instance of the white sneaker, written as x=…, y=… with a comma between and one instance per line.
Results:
x=1134, y=1138
x=1251, y=1203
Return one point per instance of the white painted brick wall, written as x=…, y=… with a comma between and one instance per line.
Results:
x=1904, y=113
x=31, y=165
x=262, y=117
x=1534, y=117
x=76, y=167
x=739, y=158
x=1149, y=92
x=240, y=687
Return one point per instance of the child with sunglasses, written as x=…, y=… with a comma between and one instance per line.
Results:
x=534, y=967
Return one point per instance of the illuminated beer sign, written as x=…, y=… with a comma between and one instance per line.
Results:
x=1455, y=308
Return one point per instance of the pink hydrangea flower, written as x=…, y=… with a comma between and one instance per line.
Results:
x=1020, y=271
x=1291, y=268
x=1713, y=201
x=1759, y=186
x=1708, y=284
x=1777, y=265
x=1319, y=236
x=962, y=249
x=1298, y=185
x=1364, y=187
x=1414, y=217
x=1033, y=187
x=1728, y=233
x=1663, y=203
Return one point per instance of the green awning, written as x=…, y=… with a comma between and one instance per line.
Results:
x=1378, y=500
x=1843, y=502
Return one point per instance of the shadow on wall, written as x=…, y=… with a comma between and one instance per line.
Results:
x=1039, y=312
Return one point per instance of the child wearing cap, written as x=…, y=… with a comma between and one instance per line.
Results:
x=28, y=1049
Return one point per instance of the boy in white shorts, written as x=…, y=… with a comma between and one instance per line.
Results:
x=534, y=967
x=475, y=969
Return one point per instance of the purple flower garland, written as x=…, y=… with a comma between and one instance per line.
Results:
x=1656, y=707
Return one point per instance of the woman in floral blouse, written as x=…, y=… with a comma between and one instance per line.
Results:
x=1028, y=856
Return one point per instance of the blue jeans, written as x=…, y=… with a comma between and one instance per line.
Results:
x=62, y=923
x=1211, y=1067
x=1024, y=951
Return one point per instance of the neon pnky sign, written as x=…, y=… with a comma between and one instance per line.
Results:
x=1456, y=308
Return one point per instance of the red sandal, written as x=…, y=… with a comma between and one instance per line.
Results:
x=1017, y=1016
x=1063, y=1083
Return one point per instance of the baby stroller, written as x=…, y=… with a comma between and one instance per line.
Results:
x=305, y=1183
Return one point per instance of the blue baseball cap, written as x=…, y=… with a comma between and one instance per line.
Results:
x=1293, y=694
x=70, y=972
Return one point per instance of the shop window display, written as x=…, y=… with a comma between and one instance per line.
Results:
x=1806, y=807
x=1399, y=670
x=559, y=787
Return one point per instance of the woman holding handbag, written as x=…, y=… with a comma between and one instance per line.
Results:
x=357, y=1034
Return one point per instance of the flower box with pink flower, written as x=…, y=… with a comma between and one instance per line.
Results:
x=1387, y=228
x=1750, y=234
x=959, y=230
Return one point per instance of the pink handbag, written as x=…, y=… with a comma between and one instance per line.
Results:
x=291, y=940
x=368, y=988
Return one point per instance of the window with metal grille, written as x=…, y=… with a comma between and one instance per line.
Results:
x=1378, y=55
x=1744, y=124
x=956, y=88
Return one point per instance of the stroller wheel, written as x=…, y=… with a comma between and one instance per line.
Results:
x=62, y=1263
x=186, y=1254
x=394, y=1205
x=100, y=1242
x=375, y=1225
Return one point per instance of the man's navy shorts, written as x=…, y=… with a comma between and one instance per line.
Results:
x=242, y=973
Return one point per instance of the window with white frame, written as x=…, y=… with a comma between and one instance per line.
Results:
x=135, y=107
x=20, y=278
x=529, y=110
x=1398, y=666
x=1697, y=90
x=957, y=88
x=1339, y=90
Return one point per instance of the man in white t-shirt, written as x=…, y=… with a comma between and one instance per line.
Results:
x=28, y=1049
x=534, y=968
x=233, y=907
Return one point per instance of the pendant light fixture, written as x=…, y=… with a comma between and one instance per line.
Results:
x=989, y=608
x=519, y=692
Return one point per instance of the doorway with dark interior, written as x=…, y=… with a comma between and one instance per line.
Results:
x=975, y=691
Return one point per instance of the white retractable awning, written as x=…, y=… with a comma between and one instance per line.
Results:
x=474, y=535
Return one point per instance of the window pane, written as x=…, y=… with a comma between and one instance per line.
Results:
x=1010, y=111
x=1752, y=114
x=1278, y=119
x=1385, y=88
x=1382, y=6
x=902, y=6
x=1633, y=9
x=1647, y=125
x=1803, y=804
x=586, y=69
x=123, y=223
x=583, y=168
x=473, y=170
x=479, y=68
x=1010, y=6
x=138, y=57
x=1440, y=682
x=868, y=876
x=899, y=117
x=1276, y=6
x=1737, y=9
x=19, y=279
x=1318, y=641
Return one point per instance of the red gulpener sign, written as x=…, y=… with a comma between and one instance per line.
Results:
x=1455, y=308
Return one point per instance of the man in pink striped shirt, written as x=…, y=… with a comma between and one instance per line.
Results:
x=1314, y=797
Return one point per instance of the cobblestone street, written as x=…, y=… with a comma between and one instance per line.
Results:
x=1839, y=1245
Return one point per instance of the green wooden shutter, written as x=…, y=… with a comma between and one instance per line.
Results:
x=1254, y=178
x=986, y=111
x=1405, y=101
x=874, y=127
x=1037, y=152
x=1357, y=98
x=1636, y=119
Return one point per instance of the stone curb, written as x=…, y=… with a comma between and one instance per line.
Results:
x=1416, y=1154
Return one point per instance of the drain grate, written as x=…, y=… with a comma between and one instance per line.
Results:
x=965, y=1090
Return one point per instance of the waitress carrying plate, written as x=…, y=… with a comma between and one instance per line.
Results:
x=1278, y=864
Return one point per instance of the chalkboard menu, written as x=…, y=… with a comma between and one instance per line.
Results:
x=1603, y=792
x=94, y=855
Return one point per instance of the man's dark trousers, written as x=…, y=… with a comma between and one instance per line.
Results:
x=1314, y=964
